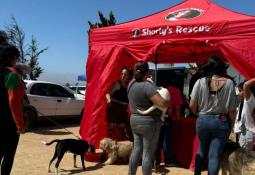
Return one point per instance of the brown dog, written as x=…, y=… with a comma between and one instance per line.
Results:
x=118, y=151
x=237, y=161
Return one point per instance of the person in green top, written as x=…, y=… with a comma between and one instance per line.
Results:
x=11, y=116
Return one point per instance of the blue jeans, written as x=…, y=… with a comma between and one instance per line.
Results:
x=146, y=132
x=165, y=143
x=213, y=132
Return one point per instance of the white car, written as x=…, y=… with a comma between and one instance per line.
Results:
x=51, y=99
x=78, y=89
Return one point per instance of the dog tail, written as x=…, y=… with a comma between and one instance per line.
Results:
x=147, y=111
x=45, y=143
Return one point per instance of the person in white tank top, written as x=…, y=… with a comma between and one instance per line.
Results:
x=247, y=136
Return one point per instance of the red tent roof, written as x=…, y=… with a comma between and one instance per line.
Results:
x=189, y=32
x=211, y=21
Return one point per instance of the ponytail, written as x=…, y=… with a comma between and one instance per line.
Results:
x=141, y=70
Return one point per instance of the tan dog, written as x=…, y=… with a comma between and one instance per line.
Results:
x=118, y=151
x=237, y=161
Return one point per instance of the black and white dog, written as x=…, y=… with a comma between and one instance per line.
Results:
x=77, y=147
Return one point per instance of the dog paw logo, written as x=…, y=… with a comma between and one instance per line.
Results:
x=184, y=14
x=136, y=33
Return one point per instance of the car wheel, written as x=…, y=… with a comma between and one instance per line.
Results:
x=30, y=117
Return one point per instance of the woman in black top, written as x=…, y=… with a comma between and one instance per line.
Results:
x=117, y=106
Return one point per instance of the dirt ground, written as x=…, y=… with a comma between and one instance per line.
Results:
x=32, y=156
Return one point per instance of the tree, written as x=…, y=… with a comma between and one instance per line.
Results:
x=67, y=84
x=33, y=53
x=3, y=37
x=104, y=22
x=30, y=55
x=16, y=37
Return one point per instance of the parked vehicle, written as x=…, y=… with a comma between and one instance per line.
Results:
x=78, y=89
x=51, y=99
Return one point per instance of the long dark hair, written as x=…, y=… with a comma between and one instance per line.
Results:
x=3, y=37
x=141, y=69
x=214, y=66
x=129, y=72
x=7, y=53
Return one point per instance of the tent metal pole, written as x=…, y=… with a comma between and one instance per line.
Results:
x=156, y=71
x=156, y=68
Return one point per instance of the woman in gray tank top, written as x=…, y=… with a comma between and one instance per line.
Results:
x=213, y=99
x=142, y=94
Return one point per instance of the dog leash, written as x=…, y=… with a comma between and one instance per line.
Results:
x=61, y=127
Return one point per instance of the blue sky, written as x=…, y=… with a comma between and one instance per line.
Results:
x=61, y=26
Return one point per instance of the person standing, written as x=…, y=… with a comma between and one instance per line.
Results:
x=238, y=126
x=11, y=98
x=247, y=127
x=142, y=94
x=173, y=113
x=213, y=99
x=117, y=106
x=194, y=77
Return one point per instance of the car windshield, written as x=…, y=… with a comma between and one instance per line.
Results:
x=81, y=88
x=78, y=89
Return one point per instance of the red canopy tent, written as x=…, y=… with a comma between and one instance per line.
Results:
x=189, y=32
